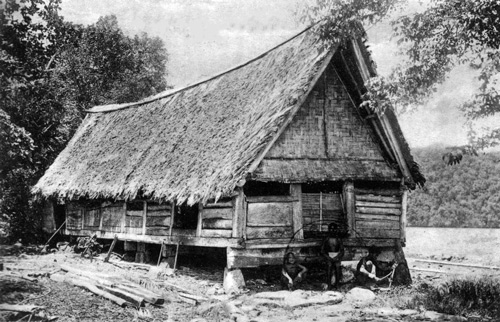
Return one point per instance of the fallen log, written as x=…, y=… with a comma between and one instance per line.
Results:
x=189, y=301
x=148, y=296
x=94, y=289
x=101, y=278
x=177, y=287
x=136, y=300
x=20, y=308
x=193, y=297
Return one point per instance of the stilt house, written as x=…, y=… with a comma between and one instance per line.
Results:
x=254, y=160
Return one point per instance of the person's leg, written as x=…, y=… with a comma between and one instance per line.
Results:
x=285, y=283
x=338, y=274
x=329, y=274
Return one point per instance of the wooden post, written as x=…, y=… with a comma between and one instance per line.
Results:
x=239, y=214
x=140, y=256
x=83, y=217
x=106, y=259
x=124, y=218
x=200, y=220
x=404, y=205
x=144, y=213
x=320, y=211
x=101, y=217
x=172, y=218
x=350, y=206
x=297, y=219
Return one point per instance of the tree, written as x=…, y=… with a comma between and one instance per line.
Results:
x=446, y=34
x=51, y=71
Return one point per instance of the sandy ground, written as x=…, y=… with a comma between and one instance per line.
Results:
x=262, y=300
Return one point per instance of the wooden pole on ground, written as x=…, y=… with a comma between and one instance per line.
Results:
x=48, y=241
x=161, y=253
x=106, y=259
x=176, y=253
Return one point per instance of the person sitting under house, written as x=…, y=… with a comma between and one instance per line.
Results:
x=292, y=273
x=332, y=250
x=374, y=270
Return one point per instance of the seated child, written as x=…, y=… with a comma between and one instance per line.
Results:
x=292, y=272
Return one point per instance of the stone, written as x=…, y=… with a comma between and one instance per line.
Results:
x=408, y=312
x=360, y=296
x=233, y=281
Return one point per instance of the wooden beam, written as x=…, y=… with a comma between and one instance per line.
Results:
x=124, y=217
x=297, y=244
x=106, y=259
x=378, y=211
x=350, y=206
x=200, y=220
x=404, y=206
x=144, y=214
x=374, y=217
x=169, y=240
x=378, y=192
x=266, y=199
x=239, y=214
x=297, y=216
x=378, y=204
x=367, y=242
x=320, y=211
x=387, y=127
x=101, y=217
x=82, y=226
x=172, y=218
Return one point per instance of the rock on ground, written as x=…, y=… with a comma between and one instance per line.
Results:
x=360, y=296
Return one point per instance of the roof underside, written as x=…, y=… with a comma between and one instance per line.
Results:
x=193, y=145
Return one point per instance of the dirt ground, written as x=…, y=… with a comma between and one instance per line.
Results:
x=261, y=300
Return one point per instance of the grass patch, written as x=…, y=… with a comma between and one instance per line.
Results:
x=471, y=296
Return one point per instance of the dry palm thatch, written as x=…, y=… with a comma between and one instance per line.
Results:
x=191, y=145
x=196, y=143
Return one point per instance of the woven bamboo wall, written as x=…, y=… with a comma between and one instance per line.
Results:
x=327, y=139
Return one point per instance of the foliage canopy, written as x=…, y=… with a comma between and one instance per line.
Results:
x=51, y=71
x=446, y=34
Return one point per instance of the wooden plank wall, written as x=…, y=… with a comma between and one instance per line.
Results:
x=320, y=209
x=270, y=217
x=217, y=219
x=158, y=219
x=134, y=218
x=378, y=213
x=112, y=216
x=74, y=217
x=91, y=218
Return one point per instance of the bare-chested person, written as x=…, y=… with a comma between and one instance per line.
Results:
x=332, y=250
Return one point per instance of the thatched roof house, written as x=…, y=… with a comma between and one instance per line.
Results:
x=289, y=116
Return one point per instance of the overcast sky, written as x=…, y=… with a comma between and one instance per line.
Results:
x=204, y=37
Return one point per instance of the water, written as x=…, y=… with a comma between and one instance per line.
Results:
x=476, y=245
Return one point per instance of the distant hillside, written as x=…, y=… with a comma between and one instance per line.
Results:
x=463, y=195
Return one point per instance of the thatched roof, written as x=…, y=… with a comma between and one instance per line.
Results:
x=192, y=144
